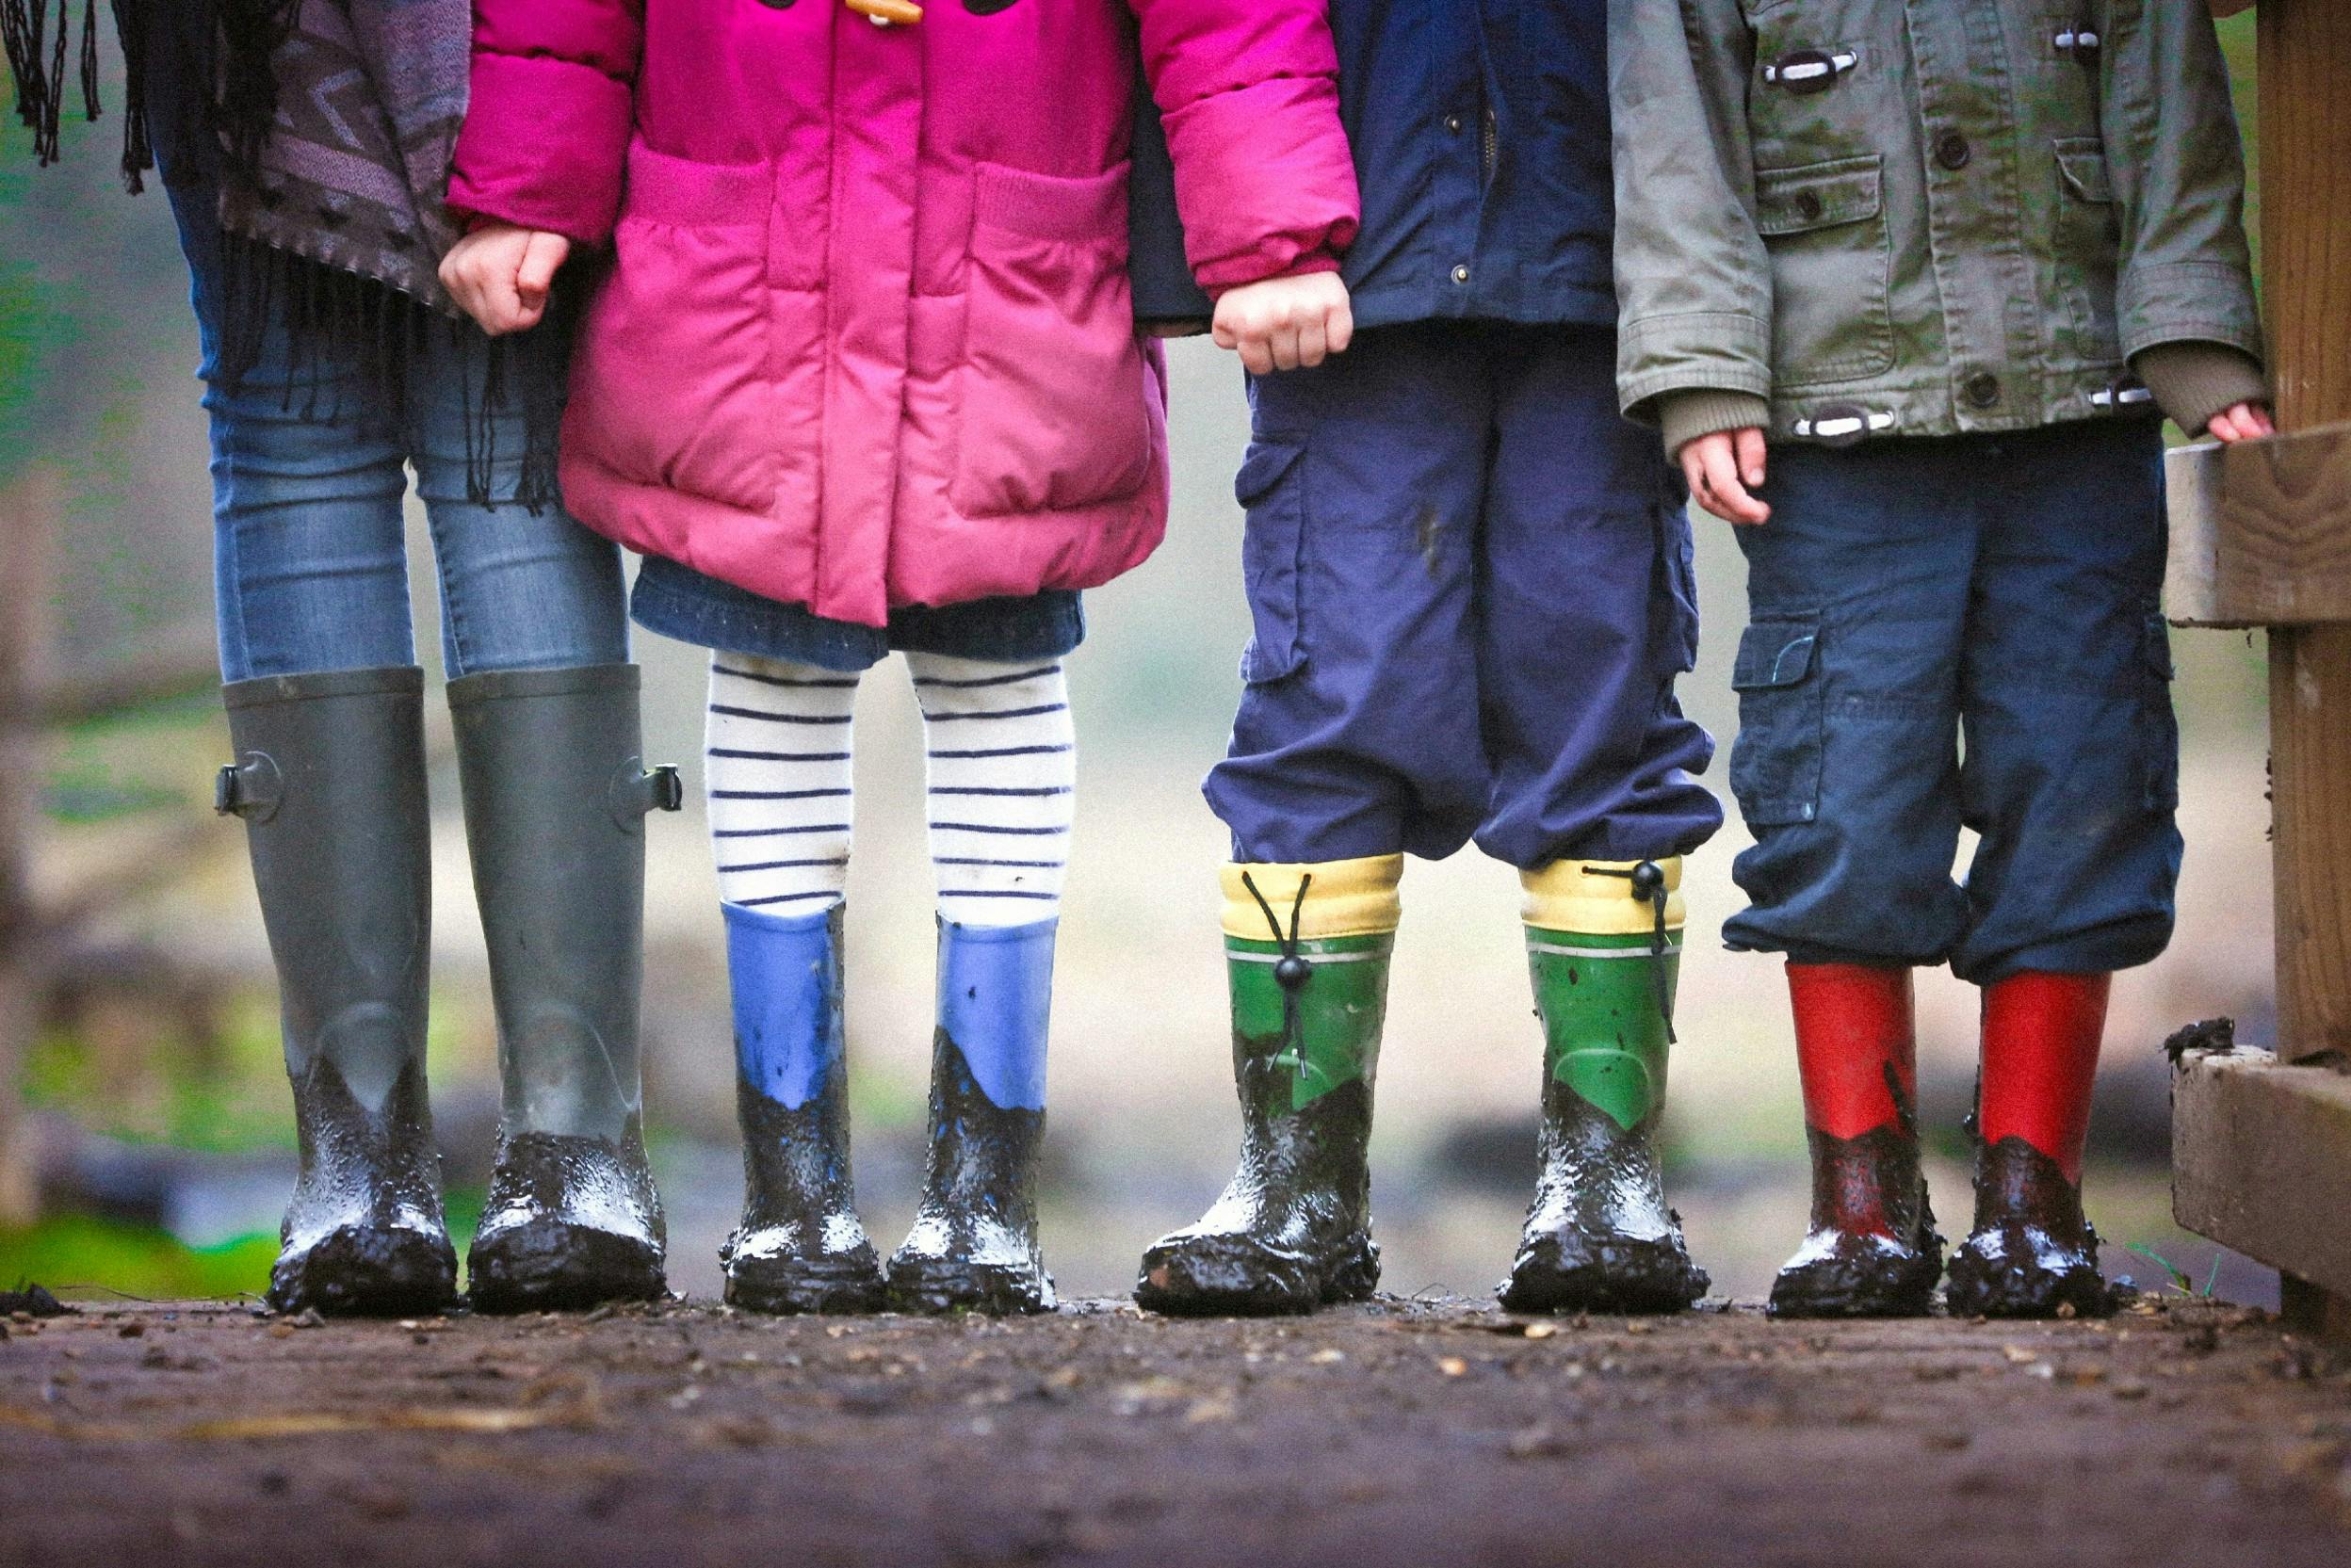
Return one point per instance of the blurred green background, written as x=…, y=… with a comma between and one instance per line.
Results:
x=147, y=1137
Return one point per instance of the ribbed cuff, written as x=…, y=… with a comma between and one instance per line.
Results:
x=2195, y=379
x=1684, y=416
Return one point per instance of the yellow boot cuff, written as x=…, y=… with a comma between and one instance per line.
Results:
x=1344, y=897
x=1582, y=895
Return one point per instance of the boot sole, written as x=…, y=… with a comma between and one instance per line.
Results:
x=934, y=1286
x=548, y=1265
x=787, y=1287
x=1235, y=1277
x=369, y=1271
x=1646, y=1278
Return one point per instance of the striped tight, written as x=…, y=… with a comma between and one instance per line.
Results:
x=1003, y=770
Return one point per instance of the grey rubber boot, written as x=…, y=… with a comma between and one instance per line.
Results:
x=556, y=796
x=330, y=781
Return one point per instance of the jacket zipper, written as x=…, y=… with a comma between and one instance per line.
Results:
x=1489, y=139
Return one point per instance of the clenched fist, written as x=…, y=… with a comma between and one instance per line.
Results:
x=1284, y=323
x=501, y=274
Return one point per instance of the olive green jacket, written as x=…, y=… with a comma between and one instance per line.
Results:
x=1922, y=217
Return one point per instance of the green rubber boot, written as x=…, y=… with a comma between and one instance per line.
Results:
x=556, y=796
x=1599, y=1236
x=330, y=781
x=1292, y=1231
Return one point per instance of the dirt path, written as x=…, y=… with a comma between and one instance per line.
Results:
x=1396, y=1434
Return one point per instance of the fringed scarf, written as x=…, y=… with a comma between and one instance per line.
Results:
x=327, y=128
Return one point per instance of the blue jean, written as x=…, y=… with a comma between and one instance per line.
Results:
x=1910, y=594
x=1470, y=581
x=309, y=475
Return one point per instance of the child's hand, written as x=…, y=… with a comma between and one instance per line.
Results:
x=2243, y=423
x=1722, y=469
x=1284, y=323
x=500, y=273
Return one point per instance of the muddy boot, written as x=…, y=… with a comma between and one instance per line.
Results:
x=800, y=1247
x=1872, y=1251
x=2033, y=1254
x=330, y=780
x=974, y=1242
x=1604, y=945
x=556, y=796
x=1306, y=952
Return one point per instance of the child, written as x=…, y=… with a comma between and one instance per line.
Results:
x=1952, y=260
x=1470, y=581
x=863, y=376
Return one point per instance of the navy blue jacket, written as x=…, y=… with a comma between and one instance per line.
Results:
x=1481, y=146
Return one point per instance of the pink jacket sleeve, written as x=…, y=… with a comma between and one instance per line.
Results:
x=546, y=132
x=1249, y=92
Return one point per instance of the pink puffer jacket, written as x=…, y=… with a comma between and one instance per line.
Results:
x=866, y=338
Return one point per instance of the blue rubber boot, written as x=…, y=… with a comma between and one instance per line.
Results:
x=800, y=1246
x=974, y=1243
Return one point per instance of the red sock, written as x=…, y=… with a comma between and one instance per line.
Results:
x=2041, y=1034
x=1853, y=1022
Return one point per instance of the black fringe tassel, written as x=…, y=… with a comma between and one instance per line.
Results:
x=235, y=42
x=351, y=341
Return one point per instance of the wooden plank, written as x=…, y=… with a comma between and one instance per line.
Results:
x=2261, y=531
x=2306, y=235
x=2261, y=1161
x=2192, y=497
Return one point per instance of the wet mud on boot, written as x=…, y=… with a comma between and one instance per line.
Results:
x=2032, y=1253
x=1291, y=1231
x=571, y=1222
x=974, y=1246
x=800, y=1247
x=330, y=782
x=1599, y=1237
x=1872, y=1250
x=556, y=796
x=364, y=1234
x=974, y=1242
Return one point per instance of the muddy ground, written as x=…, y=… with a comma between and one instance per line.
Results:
x=1400, y=1432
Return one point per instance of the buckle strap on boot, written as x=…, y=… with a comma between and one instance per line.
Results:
x=250, y=788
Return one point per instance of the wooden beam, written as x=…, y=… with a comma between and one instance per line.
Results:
x=2306, y=237
x=2261, y=531
x=2305, y=252
x=2261, y=1162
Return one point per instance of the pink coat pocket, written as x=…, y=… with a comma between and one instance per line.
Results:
x=1052, y=386
x=673, y=384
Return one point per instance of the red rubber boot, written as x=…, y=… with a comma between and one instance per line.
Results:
x=1872, y=1251
x=2032, y=1254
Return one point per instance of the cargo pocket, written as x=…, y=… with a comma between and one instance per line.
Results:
x=2159, y=726
x=2088, y=246
x=1832, y=270
x=673, y=384
x=1776, y=764
x=1271, y=488
x=1052, y=384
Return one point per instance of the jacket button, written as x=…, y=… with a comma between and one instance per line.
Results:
x=1453, y=123
x=1808, y=205
x=1982, y=389
x=1461, y=273
x=1951, y=150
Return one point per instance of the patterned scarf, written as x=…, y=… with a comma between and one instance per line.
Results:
x=327, y=128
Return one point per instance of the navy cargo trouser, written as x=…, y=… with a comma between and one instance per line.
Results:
x=1908, y=594
x=1471, y=587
